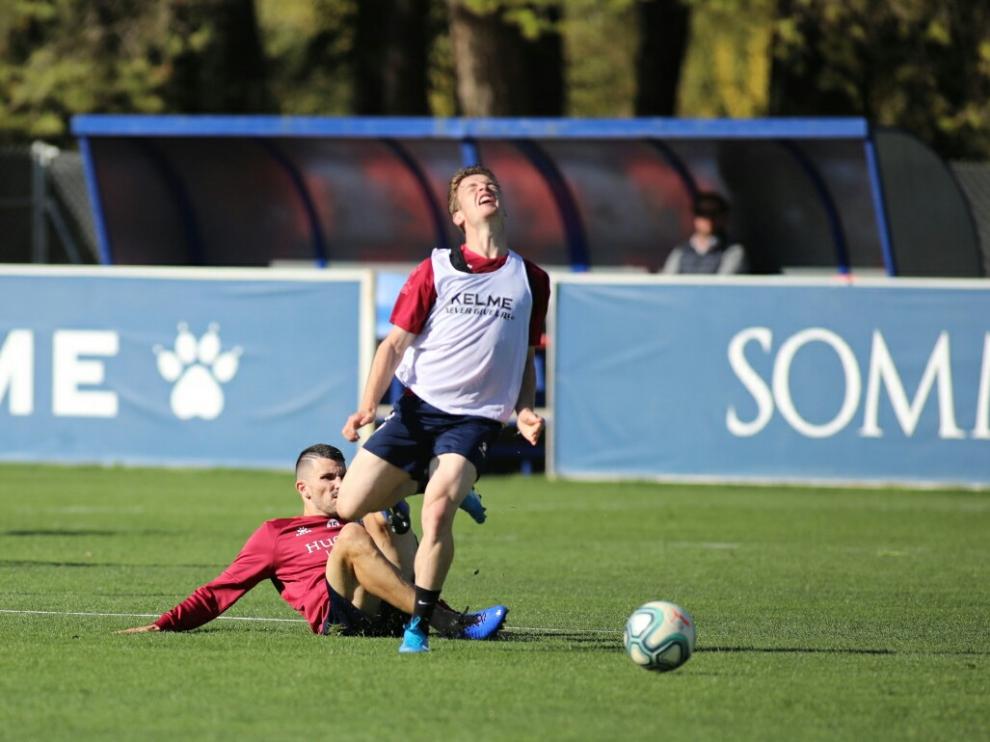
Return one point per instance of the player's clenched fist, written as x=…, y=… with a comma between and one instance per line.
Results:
x=355, y=422
x=530, y=425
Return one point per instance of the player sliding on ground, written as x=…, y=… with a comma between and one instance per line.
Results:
x=465, y=327
x=345, y=578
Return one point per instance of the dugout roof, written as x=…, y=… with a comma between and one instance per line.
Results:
x=807, y=194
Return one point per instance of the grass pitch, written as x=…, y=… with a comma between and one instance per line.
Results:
x=821, y=614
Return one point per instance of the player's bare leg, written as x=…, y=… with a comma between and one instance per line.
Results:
x=398, y=548
x=449, y=484
x=471, y=503
x=446, y=489
x=360, y=573
x=371, y=484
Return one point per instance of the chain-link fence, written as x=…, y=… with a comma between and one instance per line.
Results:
x=45, y=216
x=974, y=177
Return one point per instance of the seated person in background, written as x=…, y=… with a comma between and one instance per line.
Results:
x=708, y=250
x=346, y=578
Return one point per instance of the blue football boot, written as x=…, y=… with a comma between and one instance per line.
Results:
x=484, y=624
x=414, y=639
x=473, y=507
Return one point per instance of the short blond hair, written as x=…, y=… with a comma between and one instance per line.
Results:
x=460, y=175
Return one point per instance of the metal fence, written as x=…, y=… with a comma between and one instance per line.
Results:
x=974, y=177
x=45, y=215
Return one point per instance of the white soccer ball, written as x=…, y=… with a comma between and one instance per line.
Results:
x=659, y=636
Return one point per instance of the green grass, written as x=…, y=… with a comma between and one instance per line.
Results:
x=821, y=614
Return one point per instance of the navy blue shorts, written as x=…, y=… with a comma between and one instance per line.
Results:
x=346, y=619
x=416, y=432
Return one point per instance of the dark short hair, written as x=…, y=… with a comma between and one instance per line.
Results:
x=321, y=451
x=460, y=175
x=710, y=204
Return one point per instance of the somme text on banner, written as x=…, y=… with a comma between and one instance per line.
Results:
x=752, y=380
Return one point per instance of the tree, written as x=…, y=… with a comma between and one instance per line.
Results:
x=923, y=65
x=508, y=57
x=61, y=57
x=600, y=74
x=390, y=57
x=663, y=40
x=308, y=46
x=218, y=65
x=727, y=66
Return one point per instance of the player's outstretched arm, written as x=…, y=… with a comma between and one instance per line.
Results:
x=386, y=360
x=252, y=565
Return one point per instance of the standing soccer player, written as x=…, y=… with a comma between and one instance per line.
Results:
x=465, y=327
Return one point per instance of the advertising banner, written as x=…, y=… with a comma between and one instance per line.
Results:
x=233, y=367
x=766, y=380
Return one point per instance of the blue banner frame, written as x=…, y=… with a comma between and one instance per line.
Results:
x=754, y=379
x=234, y=367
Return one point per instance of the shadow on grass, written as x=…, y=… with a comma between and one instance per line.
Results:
x=600, y=640
x=49, y=563
x=577, y=639
x=796, y=650
x=847, y=650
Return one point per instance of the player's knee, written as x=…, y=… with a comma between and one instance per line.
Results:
x=352, y=539
x=438, y=516
x=349, y=509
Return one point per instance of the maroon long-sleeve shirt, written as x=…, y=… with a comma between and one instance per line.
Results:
x=291, y=552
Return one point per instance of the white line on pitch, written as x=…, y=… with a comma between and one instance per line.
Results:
x=144, y=615
x=95, y=614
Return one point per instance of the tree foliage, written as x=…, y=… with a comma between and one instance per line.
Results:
x=727, y=69
x=600, y=74
x=308, y=44
x=215, y=58
x=62, y=57
x=923, y=65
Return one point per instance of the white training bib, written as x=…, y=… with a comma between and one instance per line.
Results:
x=469, y=357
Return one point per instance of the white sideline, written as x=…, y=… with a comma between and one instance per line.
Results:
x=508, y=629
x=141, y=615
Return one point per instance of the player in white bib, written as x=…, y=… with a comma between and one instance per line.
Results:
x=465, y=327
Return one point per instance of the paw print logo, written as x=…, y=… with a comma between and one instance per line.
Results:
x=197, y=368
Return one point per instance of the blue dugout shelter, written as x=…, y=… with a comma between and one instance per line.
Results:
x=818, y=195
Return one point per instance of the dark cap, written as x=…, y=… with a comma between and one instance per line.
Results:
x=710, y=204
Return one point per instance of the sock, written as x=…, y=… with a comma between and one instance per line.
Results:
x=426, y=601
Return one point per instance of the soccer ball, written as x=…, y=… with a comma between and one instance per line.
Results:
x=659, y=636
